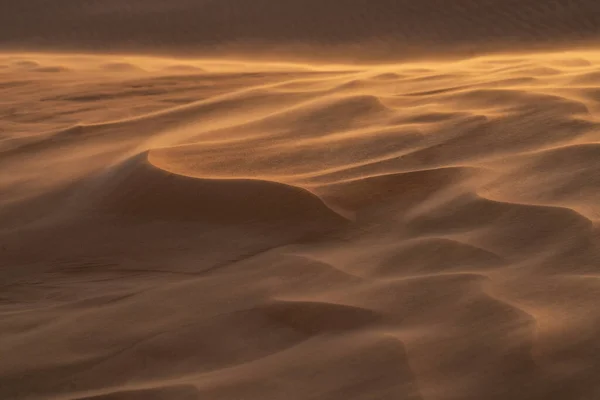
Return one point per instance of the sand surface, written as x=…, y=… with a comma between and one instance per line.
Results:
x=227, y=229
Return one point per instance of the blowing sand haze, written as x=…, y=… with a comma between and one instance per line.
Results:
x=393, y=200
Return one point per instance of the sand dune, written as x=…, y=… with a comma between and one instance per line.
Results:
x=215, y=228
x=139, y=188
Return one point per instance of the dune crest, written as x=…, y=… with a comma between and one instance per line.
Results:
x=139, y=187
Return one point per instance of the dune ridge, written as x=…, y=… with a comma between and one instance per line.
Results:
x=176, y=229
x=140, y=187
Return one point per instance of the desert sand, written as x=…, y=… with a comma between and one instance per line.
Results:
x=226, y=227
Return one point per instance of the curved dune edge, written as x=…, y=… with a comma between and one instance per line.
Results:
x=137, y=187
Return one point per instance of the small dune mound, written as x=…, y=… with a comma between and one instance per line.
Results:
x=183, y=69
x=388, y=76
x=405, y=189
x=587, y=78
x=334, y=114
x=141, y=189
x=537, y=71
x=433, y=117
x=52, y=69
x=121, y=67
x=26, y=64
x=568, y=158
x=573, y=62
x=505, y=227
x=566, y=176
x=316, y=317
x=437, y=255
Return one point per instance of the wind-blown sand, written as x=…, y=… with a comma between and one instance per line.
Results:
x=224, y=229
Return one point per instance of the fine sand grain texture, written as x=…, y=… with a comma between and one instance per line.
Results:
x=226, y=229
